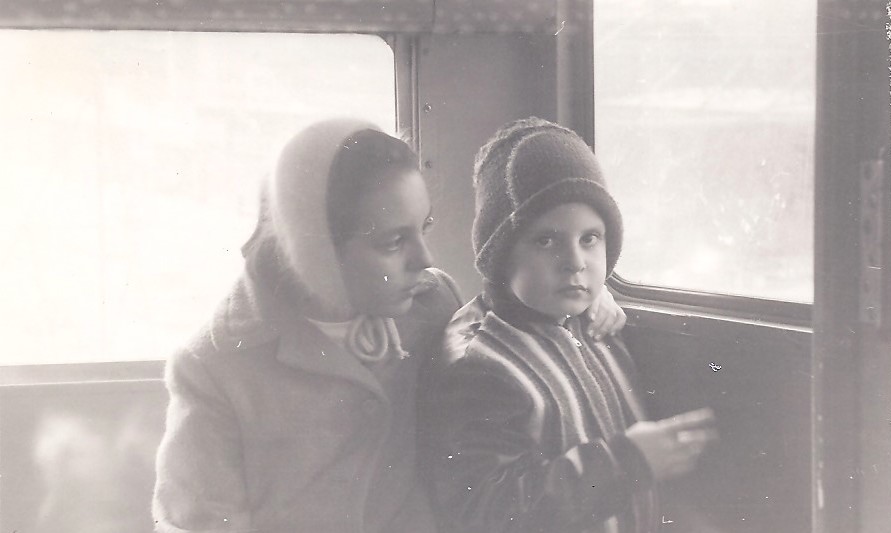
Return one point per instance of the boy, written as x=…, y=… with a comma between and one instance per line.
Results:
x=532, y=424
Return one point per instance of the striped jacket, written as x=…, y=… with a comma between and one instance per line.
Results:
x=525, y=430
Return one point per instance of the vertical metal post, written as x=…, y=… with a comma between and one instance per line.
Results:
x=574, y=34
x=405, y=56
x=851, y=107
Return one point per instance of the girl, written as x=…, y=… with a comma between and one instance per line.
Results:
x=294, y=408
x=534, y=425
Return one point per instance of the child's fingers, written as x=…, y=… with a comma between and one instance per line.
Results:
x=690, y=419
x=697, y=436
x=606, y=317
x=616, y=322
x=595, y=329
x=606, y=322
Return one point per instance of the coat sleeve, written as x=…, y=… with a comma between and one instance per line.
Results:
x=449, y=286
x=491, y=474
x=200, y=483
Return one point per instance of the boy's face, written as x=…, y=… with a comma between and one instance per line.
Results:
x=558, y=265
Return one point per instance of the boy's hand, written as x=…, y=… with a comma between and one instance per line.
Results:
x=673, y=445
x=606, y=316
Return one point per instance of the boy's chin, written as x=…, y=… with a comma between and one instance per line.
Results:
x=577, y=308
x=569, y=312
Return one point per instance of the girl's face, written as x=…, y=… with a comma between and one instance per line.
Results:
x=381, y=263
x=558, y=264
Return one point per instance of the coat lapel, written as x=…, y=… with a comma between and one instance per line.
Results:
x=253, y=315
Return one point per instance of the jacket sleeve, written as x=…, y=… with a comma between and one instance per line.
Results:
x=450, y=287
x=491, y=474
x=200, y=484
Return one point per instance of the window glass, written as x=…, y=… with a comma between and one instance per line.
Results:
x=130, y=173
x=704, y=124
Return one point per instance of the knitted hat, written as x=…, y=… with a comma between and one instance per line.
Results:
x=528, y=167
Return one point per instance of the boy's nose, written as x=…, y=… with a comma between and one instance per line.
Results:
x=573, y=261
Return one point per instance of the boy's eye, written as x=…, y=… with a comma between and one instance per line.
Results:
x=428, y=224
x=590, y=238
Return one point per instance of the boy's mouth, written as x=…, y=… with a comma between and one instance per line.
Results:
x=574, y=289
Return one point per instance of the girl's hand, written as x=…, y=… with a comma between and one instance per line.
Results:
x=606, y=316
x=673, y=445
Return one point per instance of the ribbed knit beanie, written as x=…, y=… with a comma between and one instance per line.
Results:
x=528, y=167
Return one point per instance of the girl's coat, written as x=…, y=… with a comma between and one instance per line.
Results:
x=273, y=428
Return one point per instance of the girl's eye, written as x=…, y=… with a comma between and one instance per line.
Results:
x=393, y=244
x=544, y=241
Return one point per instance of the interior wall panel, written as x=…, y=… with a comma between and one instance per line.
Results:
x=757, y=380
x=468, y=86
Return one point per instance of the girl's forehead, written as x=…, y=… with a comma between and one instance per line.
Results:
x=395, y=202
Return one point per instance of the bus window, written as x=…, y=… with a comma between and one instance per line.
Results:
x=131, y=163
x=704, y=124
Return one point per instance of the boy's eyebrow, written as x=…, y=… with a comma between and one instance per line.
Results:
x=553, y=232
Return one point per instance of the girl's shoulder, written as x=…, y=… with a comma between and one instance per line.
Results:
x=239, y=325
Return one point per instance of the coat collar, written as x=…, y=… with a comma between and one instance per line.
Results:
x=264, y=308
x=261, y=309
x=304, y=347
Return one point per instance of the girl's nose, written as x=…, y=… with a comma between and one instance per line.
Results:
x=422, y=257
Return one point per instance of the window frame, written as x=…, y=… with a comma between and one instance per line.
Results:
x=749, y=308
x=405, y=122
x=643, y=295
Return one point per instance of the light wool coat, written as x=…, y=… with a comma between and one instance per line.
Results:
x=273, y=428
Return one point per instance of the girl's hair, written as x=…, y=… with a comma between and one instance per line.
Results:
x=366, y=159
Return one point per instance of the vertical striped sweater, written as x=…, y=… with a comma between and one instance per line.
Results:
x=525, y=429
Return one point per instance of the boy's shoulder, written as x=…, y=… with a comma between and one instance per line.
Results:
x=462, y=330
x=476, y=332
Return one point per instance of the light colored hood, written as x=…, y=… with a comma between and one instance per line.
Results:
x=296, y=209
